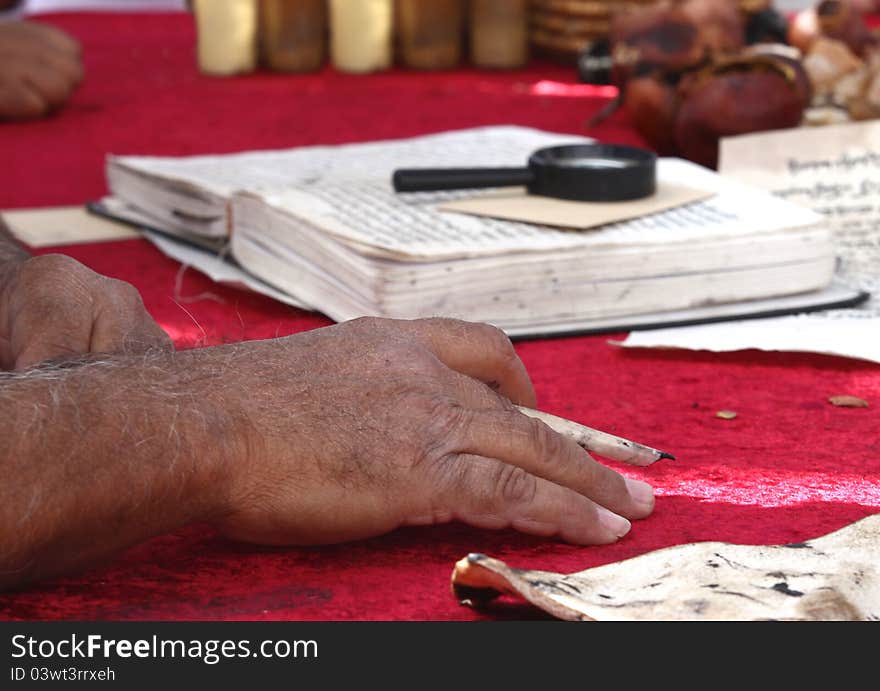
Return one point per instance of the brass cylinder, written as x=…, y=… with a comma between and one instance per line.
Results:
x=361, y=35
x=226, y=36
x=430, y=33
x=499, y=33
x=293, y=34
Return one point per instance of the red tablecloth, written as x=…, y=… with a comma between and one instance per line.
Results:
x=789, y=467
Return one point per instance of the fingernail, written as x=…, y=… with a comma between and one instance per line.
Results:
x=616, y=524
x=641, y=492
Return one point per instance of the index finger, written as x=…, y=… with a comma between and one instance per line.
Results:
x=528, y=443
x=480, y=351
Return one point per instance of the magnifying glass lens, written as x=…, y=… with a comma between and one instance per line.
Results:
x=594, y=162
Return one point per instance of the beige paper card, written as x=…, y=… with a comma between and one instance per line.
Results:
x=63, y=225
x=517, y=205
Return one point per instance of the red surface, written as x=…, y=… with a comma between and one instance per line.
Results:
x=789, y=467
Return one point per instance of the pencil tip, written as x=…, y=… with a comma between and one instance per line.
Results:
x=663, y=454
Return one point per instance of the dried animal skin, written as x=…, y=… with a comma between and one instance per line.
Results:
x=827, y=61
x=833, y=577
x=866, y=106
x=826, y=115
x=843, y=82
x=849, y=87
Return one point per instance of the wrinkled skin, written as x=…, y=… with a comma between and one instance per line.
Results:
x=53, y=307
x=392, y=423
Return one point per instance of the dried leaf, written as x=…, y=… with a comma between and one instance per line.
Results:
x=725, y=414
x=848, y=401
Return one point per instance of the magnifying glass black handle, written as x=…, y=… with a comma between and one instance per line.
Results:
x=432, y=179
x=592, y=172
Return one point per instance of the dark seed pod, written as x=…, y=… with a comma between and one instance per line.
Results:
x=785, y=60
x=730, y=103
x=652, y=105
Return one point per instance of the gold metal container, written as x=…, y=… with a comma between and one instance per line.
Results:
x=293, y=35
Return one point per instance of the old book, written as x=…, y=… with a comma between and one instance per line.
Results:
x=324, y=225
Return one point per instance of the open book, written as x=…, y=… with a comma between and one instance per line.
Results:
x=323, y=225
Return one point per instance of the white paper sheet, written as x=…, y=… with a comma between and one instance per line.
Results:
x=834, y=170
x=854, y=338
x=218, y=269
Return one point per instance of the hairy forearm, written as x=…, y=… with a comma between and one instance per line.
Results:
x=100, y=454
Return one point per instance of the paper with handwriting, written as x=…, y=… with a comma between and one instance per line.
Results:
x=834, y=170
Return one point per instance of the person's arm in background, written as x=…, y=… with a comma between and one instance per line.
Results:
x=335, y=434
x=40, y=66
x=51, y=306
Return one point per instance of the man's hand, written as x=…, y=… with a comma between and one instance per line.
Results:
x=331, y=435
x=375, y=424
x=39, y=68
x=52, y=307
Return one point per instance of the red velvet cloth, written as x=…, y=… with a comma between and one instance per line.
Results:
x=788, y=468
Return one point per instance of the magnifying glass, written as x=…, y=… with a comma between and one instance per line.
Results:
x=578, y=172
